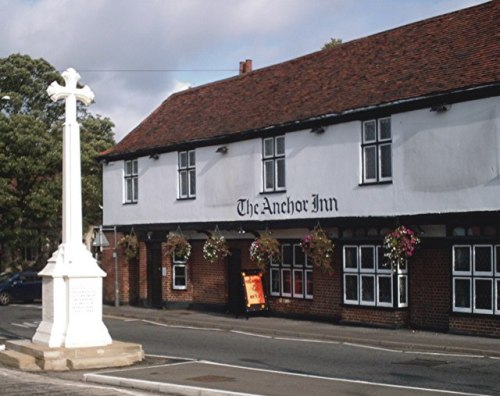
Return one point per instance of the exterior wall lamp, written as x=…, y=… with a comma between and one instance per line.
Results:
x=440, y=108
x=318, y=130
x=222, y=150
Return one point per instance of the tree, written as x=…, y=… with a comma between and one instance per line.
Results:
x=31, y=158
x=332, y=43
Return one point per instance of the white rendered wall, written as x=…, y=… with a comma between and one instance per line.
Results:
x=442, y=162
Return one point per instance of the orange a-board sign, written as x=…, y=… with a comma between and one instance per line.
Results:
x=255, y=297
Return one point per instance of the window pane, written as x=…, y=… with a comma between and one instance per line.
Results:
x=128, y=168
x=497, y=254
x=299, y=256
x=367, y=288
x=280, y=145
x=462, y=293
x=275, y=281
x=385, y=161
x=269, y=175
x=461, y=258
x=384, y=129
x=351, y=257
x=287, y=281
x=192, y=158
x=370, y=163
x=385, y=289
x=179, y=275
x=192, y=183
x=309, y=283
x=402, y=289
x=287, y=254
x=498, y=296
x=280, y=173
x=351, y=287
x=130, y=189
x=135, y=167
x=135, y=183
x=367, y=257
x=383, y=262
x=483, y=259
x=184, y=183
x=298, y=282
x=483, y=294
x=182, y=159
x=369, y=131
x=268, y=147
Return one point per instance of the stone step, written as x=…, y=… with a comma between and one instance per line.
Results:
x=18, y=360
x=117, y=354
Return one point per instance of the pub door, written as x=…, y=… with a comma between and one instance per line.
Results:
x=234, y=286
x=154, y=259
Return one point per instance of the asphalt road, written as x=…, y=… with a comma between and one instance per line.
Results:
x=326, y=359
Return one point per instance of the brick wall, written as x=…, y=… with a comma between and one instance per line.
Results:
x=475, y=324
x=374, y=316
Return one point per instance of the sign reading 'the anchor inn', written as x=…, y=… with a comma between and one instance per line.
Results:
x=287, y=206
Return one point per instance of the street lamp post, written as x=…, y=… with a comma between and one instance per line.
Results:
x=101, y=242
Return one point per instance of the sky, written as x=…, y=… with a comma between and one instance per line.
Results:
x=135, y=53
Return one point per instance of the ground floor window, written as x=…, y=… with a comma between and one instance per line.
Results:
x=476, y=279
x=179, y=274
x=293, y=275
x=368, y=278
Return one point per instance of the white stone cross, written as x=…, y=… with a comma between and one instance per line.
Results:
x=72, y=279
x=72, y=188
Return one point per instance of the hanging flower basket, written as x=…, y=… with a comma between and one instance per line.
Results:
x=215, y=249
x=399, y=245
x=264, y=250
x=178, y=246
x=319, y=249
x=130, y=245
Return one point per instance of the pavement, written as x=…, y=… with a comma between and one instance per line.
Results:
x=174, y=376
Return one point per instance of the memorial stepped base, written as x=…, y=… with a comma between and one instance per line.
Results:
x=24, y=355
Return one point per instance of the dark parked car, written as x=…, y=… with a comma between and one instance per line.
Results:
x=24, y=286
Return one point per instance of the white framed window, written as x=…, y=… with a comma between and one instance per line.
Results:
x=179, y=274
x=131, y=181
x=476, y=277
x=187, y=174
x=273, y=164
x=376, y=151
x=292, y=276
x=368, y=278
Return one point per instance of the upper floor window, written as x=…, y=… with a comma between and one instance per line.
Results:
x=376, y=149
x=131, y=181
x=187, y=174
x=273, y=163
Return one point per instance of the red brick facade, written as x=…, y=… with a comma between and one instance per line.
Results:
x=430, y=292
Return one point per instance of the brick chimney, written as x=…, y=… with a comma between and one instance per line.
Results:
x=245, y=66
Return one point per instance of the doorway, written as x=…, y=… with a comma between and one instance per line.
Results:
x=234, y=286
x=154, y=260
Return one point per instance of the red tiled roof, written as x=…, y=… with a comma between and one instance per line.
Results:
x=442, y=54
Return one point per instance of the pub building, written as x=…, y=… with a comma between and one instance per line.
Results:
x=398, y=128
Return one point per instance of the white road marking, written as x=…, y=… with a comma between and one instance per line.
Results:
x=180, y=326
x=291, y=339
x=345, y=380
x=250, y=334
x=372, y=347
x=20, y=325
